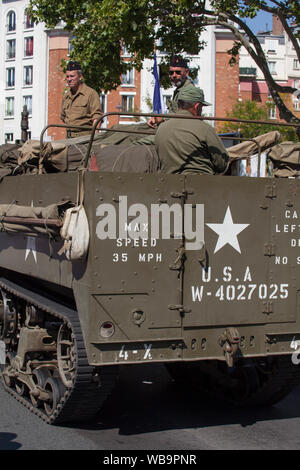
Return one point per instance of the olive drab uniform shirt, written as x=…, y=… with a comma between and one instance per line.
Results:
x=189, y=146
x=172, y=106
x=80, y=109
x=173, y=103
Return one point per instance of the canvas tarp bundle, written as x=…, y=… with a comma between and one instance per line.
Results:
x=286, y=159
x=9, y=154
x=45, y=215
x=54, y=155
x=126, y=137
x=67, y=156
x=131, y=159
x=113, y=151
x=248, y=147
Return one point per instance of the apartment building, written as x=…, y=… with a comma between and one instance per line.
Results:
x=23, y=71
x=283, y=65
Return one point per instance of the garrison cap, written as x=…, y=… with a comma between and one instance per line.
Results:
x=178, y=61
x=192, y=94
x=73, y=66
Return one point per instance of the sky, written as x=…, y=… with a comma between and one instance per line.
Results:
x=260, y=22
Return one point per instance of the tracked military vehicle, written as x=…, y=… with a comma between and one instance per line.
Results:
x=102, y=269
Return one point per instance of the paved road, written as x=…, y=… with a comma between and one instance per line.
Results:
x=148, y=411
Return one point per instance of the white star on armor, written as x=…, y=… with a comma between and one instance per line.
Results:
x=31, y=246
x=228, y=232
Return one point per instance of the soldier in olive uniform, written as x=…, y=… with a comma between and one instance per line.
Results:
x=80, y=104
x=179, y=76
x=190, y=145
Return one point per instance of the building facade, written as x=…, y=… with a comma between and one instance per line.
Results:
x=283, y=65
x=23, y=71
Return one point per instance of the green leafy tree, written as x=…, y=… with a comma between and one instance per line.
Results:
x=102, y=27
x=253, y=111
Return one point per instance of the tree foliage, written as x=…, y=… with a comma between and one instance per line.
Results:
x=101, y=27
x=253, y=111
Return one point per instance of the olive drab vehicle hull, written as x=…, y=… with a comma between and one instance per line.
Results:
x=200, y=273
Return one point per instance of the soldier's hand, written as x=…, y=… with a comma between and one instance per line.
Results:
x=154, y=121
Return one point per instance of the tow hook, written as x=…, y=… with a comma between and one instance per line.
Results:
x=230, y=341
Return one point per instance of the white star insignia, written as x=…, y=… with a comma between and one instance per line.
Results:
x=31, y=246
x=228, y=232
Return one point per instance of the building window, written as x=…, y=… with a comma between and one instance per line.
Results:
x=11, y=21
x=28, y=46
x=10, y=77
x=296, y=104
x=9, y=106
x=124, y=50
x=27, y=101
x=295, y=64
x=272, y=67
x=28, y=22
x=127, y=103
x=272, y=111
x=128, y=78
x=9, y=137
x=28, y=75
x=11, y=49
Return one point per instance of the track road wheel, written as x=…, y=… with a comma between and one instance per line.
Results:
x=21, y=388
x=39, y=377
x=9, y=381
x=66, y=355
x=55, y=390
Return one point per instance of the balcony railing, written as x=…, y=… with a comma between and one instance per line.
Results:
x=248, y=71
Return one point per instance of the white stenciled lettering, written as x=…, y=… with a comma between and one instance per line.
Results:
x=147, y=354
x=281, y=260
x=136, y=242
x=227, y=273
x=123, y=354
x=120, y=257
x=197, y=293
x=247, y=275
x=242, y=292
x=291, y=214
x=206, y=275
x=241, y=289
x=148, y=257
x=287, y=228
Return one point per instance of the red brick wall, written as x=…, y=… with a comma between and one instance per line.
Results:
x=114, y=99
x=227, y=83
x=58, y=50
x=277, y=28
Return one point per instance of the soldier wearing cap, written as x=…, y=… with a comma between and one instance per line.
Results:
x=80, y=103
x=179, y=76
x=190, y=145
